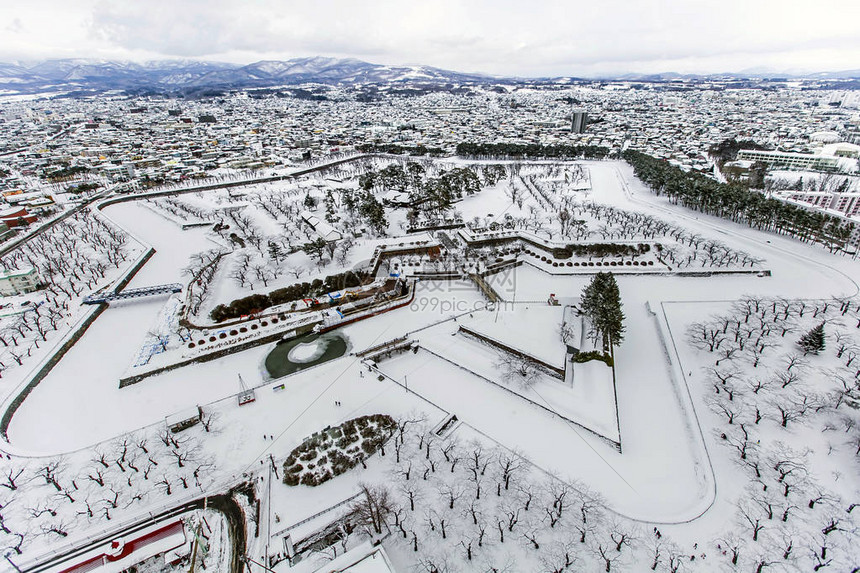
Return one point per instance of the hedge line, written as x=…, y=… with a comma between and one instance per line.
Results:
x=532, y=150
x=395, y=149
x=258, y=302
x=593, y=355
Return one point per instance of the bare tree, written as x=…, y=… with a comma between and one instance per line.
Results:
x=344, y=248
x=604, y=549
x=559, y=498
x=51, y=470
x=450, y=493
x=12, y=476
x=373, y=508
x=510, y=464
x=518, y=370
x=560, y=555
x=166, y=487
x=750, y=517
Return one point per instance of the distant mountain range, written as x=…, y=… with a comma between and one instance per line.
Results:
x=750, y=74
x=189, y=76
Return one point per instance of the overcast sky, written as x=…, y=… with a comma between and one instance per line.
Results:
x=526, y=38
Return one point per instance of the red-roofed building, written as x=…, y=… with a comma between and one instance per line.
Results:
x=17, y=217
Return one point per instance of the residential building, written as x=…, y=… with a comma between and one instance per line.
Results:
x=578, y=121
x=785, y=160
x=18, y=281
x=17, y=217
x=845, y=203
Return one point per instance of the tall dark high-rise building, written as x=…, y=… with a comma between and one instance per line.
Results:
x=578, y=121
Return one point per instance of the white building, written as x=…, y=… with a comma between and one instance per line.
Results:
x=845, y=203
x=790, y=160
x=323, y=229
x=18, y=281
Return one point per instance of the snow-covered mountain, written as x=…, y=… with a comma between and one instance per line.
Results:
x=94, y=76
x=183, y=75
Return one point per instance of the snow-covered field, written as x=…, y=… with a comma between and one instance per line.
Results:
x=673, y=468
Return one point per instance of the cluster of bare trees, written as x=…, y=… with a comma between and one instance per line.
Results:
x=237, y=175
x=543, y=192
x=552, y=211
x=706, y=253
x=181, y=209
x=246, y=229
x=201, y=270
x=534, y=221
x=72, y=257
x=49, y=498
x=469, y=506
x=767, y=397
x=260, y=257
x=690, y=249
x=627, y=225
x=279, y=205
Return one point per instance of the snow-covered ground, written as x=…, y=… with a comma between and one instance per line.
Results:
x=508, y=325
x=673, y=468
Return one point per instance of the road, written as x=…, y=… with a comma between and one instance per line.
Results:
x=225, y=503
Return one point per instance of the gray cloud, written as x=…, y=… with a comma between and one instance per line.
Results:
x=544, y=37
x=15, y=26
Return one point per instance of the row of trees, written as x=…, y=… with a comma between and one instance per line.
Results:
x=393, y=148
x=292, y=293
x=201, y=270
x=532, y=151
x=737, y=203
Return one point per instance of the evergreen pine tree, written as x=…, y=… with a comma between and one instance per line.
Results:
x=373, y=212
x=612, y=319
x=601, y=302
x=813, y=341
x=330, y=210
x=275, y=252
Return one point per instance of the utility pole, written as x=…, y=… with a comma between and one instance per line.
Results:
x=6, y=555
x=248, y=561
x=269, y=509
x=194, y=548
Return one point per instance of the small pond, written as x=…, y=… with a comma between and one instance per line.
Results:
x=305, y=351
